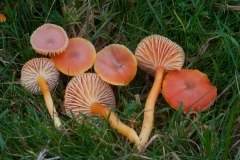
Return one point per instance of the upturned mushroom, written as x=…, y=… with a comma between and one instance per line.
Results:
x=190, y=87
x=49, y=39
x=89, y=94
x=39, y=75
x=116, y=65
x=156, y=55
x=78, y=57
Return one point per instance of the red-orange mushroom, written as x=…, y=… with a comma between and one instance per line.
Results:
x=78, y=57
x=190, y=87
x=89, y=94
x=116, y=65
x=156, y=55
x=2, y=17
x=49, y=39
x=39, y=75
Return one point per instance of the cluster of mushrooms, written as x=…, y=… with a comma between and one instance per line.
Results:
x=92, y=94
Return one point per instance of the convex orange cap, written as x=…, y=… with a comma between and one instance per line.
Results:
x=49, y=39
x=2, y=17
x=116, y=65
x=191, y=87
x=78, y=57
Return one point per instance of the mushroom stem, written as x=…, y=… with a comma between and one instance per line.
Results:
x=123, y=129
x=49, y=102
x=147, y=125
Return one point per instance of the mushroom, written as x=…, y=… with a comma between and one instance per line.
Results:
x=40, y=75
x=190, y=87
x=89, y=94
x=116, y=65
x=156, y=55
x=49, y=39
x=2, y=18
x=78, y=57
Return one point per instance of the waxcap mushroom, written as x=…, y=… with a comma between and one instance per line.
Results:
x=38, y=67
x=89, y=94
x=78, y=57
x=116, y=65
x=40, y=75
x=49, y=39
x=156, y=50
x=2, y=17
x=85, y=89
x=156, y=55
x=191, y=87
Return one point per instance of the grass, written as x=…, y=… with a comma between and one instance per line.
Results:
x=210, y=37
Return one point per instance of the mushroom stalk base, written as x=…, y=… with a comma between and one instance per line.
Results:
x=123, y=129
x=148, y=119
x=49, y=102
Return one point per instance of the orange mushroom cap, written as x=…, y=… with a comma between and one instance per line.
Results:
x=191, y=87
x=155, y=50
x=49, y=39
x=2, y=17
x=116, y=65
x=85, y=89
x=78, y=57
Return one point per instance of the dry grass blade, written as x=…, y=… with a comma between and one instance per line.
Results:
x=175, y=157
x=206, y=45
x=137, y=97
x=225, y=7
x=151, y=140
x=89, y=22
x=201, y=49
x=193, y=115
x=194, y=143
x=237, y=82
x=42, y=154
x=235, y=145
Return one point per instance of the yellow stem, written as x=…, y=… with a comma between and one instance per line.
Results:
x=123, y=129
x=147, y=125
x=49, y=102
